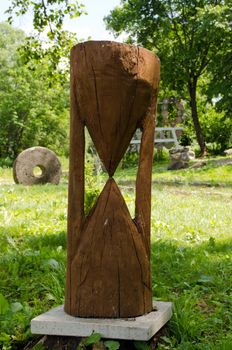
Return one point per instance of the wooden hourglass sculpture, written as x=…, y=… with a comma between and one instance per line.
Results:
x=113, y=92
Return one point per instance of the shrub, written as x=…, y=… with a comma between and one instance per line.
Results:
x=217, y=129
x=130, y=160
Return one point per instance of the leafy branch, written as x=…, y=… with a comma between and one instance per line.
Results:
x=49, y=40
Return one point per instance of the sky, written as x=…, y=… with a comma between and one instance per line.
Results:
x=86, y=26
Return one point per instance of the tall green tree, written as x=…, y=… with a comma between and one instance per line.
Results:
x=31, y=112
x=186, y=35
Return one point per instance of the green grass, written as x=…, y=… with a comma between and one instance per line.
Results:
x=191, y=260
x=32, y=258
x=6, y=176
x=211, y=174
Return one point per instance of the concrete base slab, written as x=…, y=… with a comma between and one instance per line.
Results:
x=57, y=322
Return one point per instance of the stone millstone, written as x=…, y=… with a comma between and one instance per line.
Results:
x=33, y=157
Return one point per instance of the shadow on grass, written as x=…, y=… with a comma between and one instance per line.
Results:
x=32, y=270
x=50, y=240
x=197, y=279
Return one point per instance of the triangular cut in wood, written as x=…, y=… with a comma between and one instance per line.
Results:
x=111, y=270
x=114, y=89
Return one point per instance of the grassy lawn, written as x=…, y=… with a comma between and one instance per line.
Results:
x=210, y=174
x=191, y=259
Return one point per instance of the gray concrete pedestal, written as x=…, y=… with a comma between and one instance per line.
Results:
x=57, y=322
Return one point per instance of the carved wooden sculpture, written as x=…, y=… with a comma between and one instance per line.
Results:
x=113, y=92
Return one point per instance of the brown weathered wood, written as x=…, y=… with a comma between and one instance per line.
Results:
x=113, y=92
x=115, y=86
x=110, y=261
x=143, y=179
x=76, y=182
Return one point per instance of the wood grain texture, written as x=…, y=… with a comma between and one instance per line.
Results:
x=113, y=92
x=110, y=269
x=76, y=183
x=144, y=177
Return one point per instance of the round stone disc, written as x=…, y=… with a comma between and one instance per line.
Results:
x=41, y=159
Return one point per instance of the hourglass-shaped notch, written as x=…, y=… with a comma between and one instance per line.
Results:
x=113, y=92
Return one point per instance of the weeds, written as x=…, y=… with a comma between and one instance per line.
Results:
x=191, y=261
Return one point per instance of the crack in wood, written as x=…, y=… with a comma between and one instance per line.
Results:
x=108, y=267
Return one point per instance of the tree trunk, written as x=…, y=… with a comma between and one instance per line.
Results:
x=194, y=114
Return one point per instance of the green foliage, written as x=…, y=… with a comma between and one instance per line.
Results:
x=190, y=37
x=49, y=40
x=220, y=68
x=6, y=162
x=4, y=306
x=186, y=34
x=217, y=127
x=160, y=155
x=92, y=339
x=91, y=186
x=186, y=139
x=31, y=112
x=112, y=344
x=95, y=339
x=130, y=159
x=10, y=39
